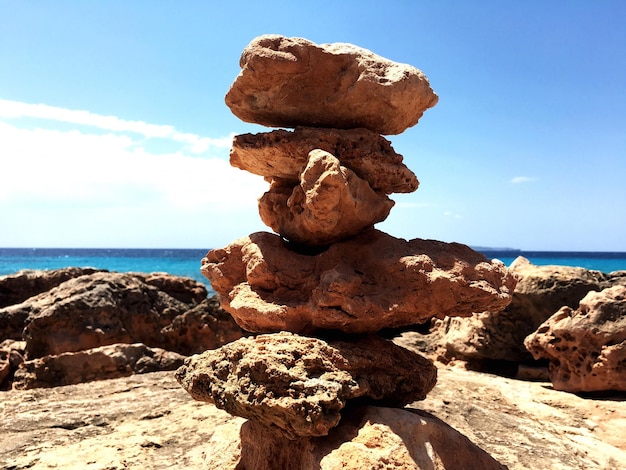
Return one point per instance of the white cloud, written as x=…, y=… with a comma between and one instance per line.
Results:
x=58, y=183
x=196, y=144
x=452, y=214
x=522, y=179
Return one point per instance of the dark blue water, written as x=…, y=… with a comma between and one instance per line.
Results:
x=186, y=262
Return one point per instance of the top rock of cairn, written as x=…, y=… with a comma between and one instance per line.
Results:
x=290, y=82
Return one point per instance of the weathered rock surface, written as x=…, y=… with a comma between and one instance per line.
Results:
x=11, y=356
x=289, y=82
x=16, y=288
x=205, y=326
x=540, y=292
x=282, y=154
x=370, y=282
x=586, y=347
x=367, y=437
x=148, y=421
x=96, y=310
x=330, y=204
x=298, y=386
x=106, y=362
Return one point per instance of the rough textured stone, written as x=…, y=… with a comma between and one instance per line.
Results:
x=586, y=347
x=367, y=438
x=282, y=154
x=540, y=292
x=147, y=421
x=370, y=282
x=183, y=289
x=205, y=326
x=11, y=356
x=16, y=288
x=106, y=362
x=298, y=385
x=330, y=204
x=96, y=310
x=289, y=82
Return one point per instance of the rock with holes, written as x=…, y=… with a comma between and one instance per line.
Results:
x=586, y=346
x=331, y=203
x=282, y=154
x=539, y=293
x=298, y=386
x=289, y=82
x=369, y=282
x=106, y=362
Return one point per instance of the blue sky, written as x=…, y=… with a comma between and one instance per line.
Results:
x=114, y=131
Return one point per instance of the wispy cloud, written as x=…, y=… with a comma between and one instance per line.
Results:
x=522, y=179
x=195, y=144
x=115, y=182
x=452, y=214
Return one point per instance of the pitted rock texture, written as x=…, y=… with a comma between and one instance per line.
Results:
x=369, y=282
x=16, y=288
x=330, y=204
x=586, y=347
x=95, y=310
x=289, y=82
x=540, y=292
x=367, y=438
x=106, y=362
x=282, y=154
x=298, y=385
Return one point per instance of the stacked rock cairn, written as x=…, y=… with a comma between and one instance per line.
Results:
x=314, y=294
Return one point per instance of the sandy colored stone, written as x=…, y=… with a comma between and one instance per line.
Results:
x=289, y=82
x=540, y=292
x=367, y=438
x=282, y=154
x=586, y=347
x=370, y=282
x=299, y=385
x=106, y=362
x=149, y=422
x=330, y=204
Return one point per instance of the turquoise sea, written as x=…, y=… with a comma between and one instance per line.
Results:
x=186, y=262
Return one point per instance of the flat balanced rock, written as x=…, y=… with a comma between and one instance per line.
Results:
x=282, y=154
x=289, y=82
x=586, y=347
x=367, y=283
x=297, y=386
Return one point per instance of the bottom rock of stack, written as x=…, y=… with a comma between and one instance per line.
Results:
x=367, y=437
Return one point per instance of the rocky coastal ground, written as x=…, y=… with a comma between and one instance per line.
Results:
x=148, y=421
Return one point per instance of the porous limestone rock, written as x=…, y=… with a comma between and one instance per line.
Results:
x=106, y=362
x=298, y=385
x=95, y=310
x=289, y=82
x=11, y=356
x=330, y=204
x=16, y=288
x=369, y=282
x=281, y=154
x=366, y=438
x=205, y=326
x=540, y=292
x=586, y=347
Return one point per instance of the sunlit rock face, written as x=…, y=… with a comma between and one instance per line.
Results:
x=586, y=346
x=369, y=282
x=289, y=82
